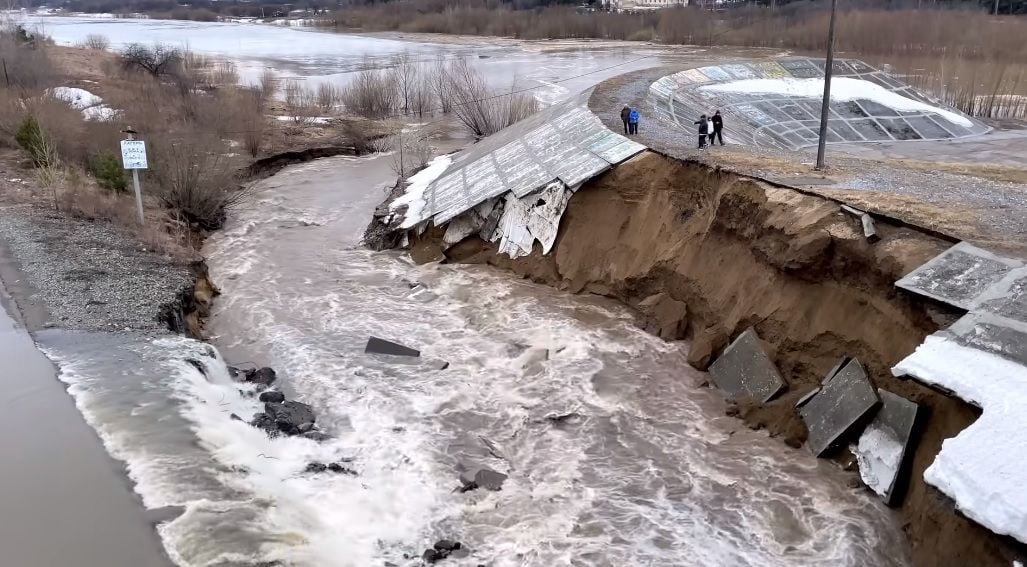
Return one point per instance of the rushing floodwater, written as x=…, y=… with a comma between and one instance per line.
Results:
x=643, y=471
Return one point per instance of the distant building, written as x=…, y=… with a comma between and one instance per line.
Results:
x=640, y=5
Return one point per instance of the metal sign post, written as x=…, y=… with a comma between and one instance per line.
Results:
x=133, y=156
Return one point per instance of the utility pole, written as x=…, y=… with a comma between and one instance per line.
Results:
x=133, y=156
x=828, y=69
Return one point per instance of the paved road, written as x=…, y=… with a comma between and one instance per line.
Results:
x=987, y=208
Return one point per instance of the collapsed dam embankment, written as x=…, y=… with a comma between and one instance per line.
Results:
x=703, y=254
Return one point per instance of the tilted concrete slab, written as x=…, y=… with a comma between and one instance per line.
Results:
x=845, y=401
x=382, y=346
x=745, y=371
x=962, y=276
x=885, y=444
x=993, y=333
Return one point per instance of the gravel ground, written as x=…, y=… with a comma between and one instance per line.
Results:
x=981, y=210
x=77, y=274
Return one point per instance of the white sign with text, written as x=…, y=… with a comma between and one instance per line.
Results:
x=133, y=154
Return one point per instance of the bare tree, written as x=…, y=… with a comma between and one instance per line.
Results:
x=439, y=82
x=482, y=110
x=157, y=60
x=406, y=78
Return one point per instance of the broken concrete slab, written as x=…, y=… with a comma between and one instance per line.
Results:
x=1007, y=298
x=960, y=275
x=745, y=370
x=382, y=346
x=885, y=444
x=845, y=401
x=992, y=333
x=665, y=316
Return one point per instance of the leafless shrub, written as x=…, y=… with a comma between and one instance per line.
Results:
x=49, y=168
x=372, y=94
x=224, y=73
x=27, y=67
x=252, y=121
x=300, y=102
x=482, y=110
x=195, y=180
x=158, y=59
x=406, y=77
x=439, y=83
x=268, y=84
x=328, y=96
x=97, y=41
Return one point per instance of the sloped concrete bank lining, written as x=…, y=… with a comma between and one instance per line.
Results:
x=704, y=254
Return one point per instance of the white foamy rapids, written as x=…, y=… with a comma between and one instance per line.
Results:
x=614, y=456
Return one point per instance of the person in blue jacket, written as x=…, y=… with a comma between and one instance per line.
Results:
x=633, y=122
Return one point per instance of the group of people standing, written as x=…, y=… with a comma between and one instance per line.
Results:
x=709, y=127
x=712, y=127
x=629, y=116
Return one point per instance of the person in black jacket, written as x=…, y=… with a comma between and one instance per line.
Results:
x=624, y=114
x=718, y=127
x=704, y=129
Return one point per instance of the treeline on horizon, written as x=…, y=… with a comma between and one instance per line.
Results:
x=215, y=9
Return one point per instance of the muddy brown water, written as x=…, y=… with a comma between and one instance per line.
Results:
x=642, y=471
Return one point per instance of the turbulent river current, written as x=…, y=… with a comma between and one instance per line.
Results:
x=615, y=454
x=641, y=469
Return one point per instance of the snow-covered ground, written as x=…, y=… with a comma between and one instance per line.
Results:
x=76, y=98
x=843, y=89
x=983, y=468
x=92, y=106
x=413, y=198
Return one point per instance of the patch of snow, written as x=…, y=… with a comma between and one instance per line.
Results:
x=413, y=198
x=76, y=98
x=879, y=455
x=843, y=89
x=100, y=113
x=982, y=468
x=305, y=119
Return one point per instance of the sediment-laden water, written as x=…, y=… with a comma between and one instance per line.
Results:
x=615, y=454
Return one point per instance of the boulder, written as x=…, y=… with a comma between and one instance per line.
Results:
x=263, y=421
x=315, y=467
x=431, y=556
x=338, y=468
x=316, y=436
x=489, y=479
x=482, y=478
x=264, y=376
x=446, y=545
x=272, y=396
x=235, y=417
x=291, y=418
x=236, y=373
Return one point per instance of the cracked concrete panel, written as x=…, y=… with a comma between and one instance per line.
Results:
x=992, y=333
x=745, y=371
x=959, y=276
x=884, y=445
x=845, y=400
x=1007, y=298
